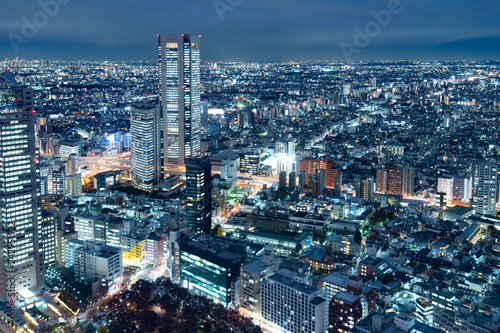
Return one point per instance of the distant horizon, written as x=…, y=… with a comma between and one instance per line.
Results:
x=343, y=62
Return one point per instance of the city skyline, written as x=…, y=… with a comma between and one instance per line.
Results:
x=256, y=31
x=263, y=166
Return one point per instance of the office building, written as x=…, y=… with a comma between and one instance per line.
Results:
x=179, y=67
x=251, y=277
x=154, y=249
x=67, y=148
x=18, y=196
x=208, y=270
x=73, y=184
x=58, y=179
x=289, y=304
x=47, y=242
x=71, y=246
x=445, y=185
x=97, y=262
x=485, y=187
x=146, y=161
x=199, y=195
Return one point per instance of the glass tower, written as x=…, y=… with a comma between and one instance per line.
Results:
x=199, y=195
x=20, y=263
x=179, y=66
x=145, y=130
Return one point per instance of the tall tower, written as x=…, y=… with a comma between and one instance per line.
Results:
x=408, y=185
x=394, y=181
x=21, y=263
x=364, y=188
x=485, y=187
x=145, y=130
x=199, y=195
x=179, y=65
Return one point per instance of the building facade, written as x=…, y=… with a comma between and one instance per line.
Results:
x=179, y=66
x=146, y=161
x=290, y=305
x=199, y=195
x=485, y=187
x=209, y=271
x=19, y=203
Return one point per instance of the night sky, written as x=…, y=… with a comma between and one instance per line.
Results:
x=252, y=29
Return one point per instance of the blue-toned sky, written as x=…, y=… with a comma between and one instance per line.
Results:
x=252, y=29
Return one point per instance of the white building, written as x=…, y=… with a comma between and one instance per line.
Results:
x=290, y=305
x=309, y=221
x=73, y=184
x=485, y=187
x=98, y=262
x=445, y=185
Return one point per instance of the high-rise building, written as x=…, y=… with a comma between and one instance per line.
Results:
x=199, y=195
x=445, y=185
x=47, y=242
x=364, y=188
x=381, y=180
x=311, y=165
x=209, y=270
x=73, y=184
x=282, y=180
x=179, y=66
x=289, y=304
x=408, y=182
x=146, y=161
x=346, y=308
x=58, y=179
x=394, y=181
x=21, y=259
x=462, y=188
x=292, y=180
x=251, y=276
x=485, y=187
x=98, y=262
x=337, y=184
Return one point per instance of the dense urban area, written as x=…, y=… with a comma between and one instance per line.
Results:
x=283, y=197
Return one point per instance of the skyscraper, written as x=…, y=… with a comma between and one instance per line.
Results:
x=199, y=195
x=20, y=263
x=364, y=188
x=381, y=179
x=282, y=180
x=146, y=162
x=485, y=187
x=394, y=181
x=179, y=65
x=408, y=185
